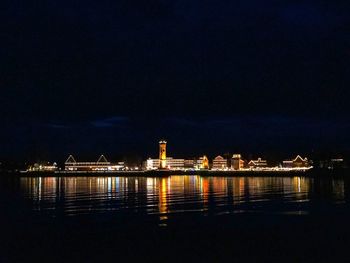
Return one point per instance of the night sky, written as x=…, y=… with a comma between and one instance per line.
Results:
x=212, y=77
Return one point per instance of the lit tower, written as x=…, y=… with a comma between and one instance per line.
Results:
x=162, y=154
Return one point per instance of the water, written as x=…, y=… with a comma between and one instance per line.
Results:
x=175, y=219
x=180, y=195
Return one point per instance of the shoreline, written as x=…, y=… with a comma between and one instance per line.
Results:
x=161, y=173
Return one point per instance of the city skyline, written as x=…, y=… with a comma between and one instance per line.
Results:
x=235, y=162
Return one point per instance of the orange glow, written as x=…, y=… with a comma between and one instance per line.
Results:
x=162, y=154
x=205, y=164
x=163, y=189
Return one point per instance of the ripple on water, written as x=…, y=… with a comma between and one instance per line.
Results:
x=179, y=195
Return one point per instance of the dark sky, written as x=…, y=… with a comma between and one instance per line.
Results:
x=91, y=77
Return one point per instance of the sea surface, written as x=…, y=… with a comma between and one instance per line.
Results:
x=176, y=218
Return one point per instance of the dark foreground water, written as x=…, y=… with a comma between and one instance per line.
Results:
x=176, y=218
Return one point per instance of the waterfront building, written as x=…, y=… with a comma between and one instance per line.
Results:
x=237, y=163
x=198, y=163
x=172, y=164
x=164, y=162
x=297, y=162
x=162, y=155
x=259, y=163
x=219, y=163
x=175, y=164
x=189, y=163
x=149, y=164
x=205, y=163
x=202, y=163
x=100, y=165
x=43, y=167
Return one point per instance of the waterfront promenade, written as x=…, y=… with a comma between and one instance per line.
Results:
x=164, y=173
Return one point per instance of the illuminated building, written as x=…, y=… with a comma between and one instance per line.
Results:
x=172, y=164
x=197, y=163
x=259, y=163
x=219, y=163
x=162, y=155
x=178, y=164
x=175, y=164
x=237, y=163
x=189, y=163
x=202, y=163
x=101, y=165
x=42, y=167
x=205, y=163
x=164, y=162
x=149, y=164
x=298, y=162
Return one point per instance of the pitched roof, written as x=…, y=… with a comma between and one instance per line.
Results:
x=219, y=157
x=70, y=159
x=258, y=161
x=102, y=159
x=299, y=157
x=295, y=159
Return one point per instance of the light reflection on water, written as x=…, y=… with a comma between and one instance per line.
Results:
x=173, y=195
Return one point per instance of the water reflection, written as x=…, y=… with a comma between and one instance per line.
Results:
x=179, y=194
